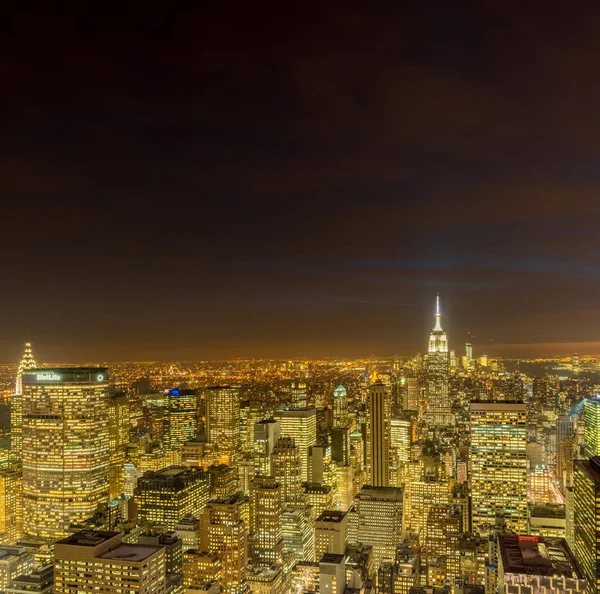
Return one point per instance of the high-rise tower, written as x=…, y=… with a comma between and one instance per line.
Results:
x=499, y=463
x=223, y=421
x=378, y=434
x=340, y=407
x=16, y=405
x=65, y=447
x=438, y=401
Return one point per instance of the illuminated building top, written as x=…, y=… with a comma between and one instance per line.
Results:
x=438, y=342
x=27, y=362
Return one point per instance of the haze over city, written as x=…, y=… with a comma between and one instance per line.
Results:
x=299, y=182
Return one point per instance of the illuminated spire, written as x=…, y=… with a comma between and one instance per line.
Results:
x=27, y=362
x=438, y=316
x=438, y=341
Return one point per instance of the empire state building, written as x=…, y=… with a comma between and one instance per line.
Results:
x=438, y=402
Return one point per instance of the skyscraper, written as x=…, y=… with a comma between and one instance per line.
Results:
x=181, y=408
x=499, y=463
x=379, y=434
x=225, y=533
x=223, y=421
x=16, y=405
x=586, y=504
x=591, y=425
x=286, y=469
x=299, y=394
x=118, y=439
x=469, y=353
x=565, y=447
x=378, y=520
x=265, y=520
x=437, y=393
x=340, y=408
x=65, y=447
x=266, y=434
x=301, y=425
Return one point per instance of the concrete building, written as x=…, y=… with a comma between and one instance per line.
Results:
x=167, y=495
x=532, y=564
x=92, y=561
x=331, y=533
x=377, y=519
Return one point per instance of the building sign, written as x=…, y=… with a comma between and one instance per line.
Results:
x=48, y=377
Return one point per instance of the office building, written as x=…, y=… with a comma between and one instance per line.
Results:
x=188, y=529
x=298, y=394
x=224, y=481
x=438, y=412
x=223, y=421
x=340, y=445
x=95, y=561
x=297, y=532
x=499, y=463
x=165, y=496
x=180, y=414
x=118, y=440
x=331, y=533
x=400, y=444
x=533, y=564
x=200, y=567
x=318, y=498
x=565, y=449
x=378, y=520
x=172, y=544
x=301, y=425
x=340, y=408
x=586, y=520
x=16, y=405
x=224, y=531
x=379, y=434
x=39, y=581
x=332, y=573
x=286, y=468
x=14, y=561
x=266, y=434
x=548, y=519
x=265, y=520
x=591, y=424
x=11, y=505
x=65, y=448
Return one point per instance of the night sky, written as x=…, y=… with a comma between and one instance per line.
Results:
x=252, y=180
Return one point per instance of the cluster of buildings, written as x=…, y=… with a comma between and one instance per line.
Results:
x=436, y=474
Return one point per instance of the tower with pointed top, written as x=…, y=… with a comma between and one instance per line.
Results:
x=437, y=392
x=16, y=405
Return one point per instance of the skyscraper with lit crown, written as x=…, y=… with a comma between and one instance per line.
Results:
x=16, y=405
x=340, y=407
x=437, y=393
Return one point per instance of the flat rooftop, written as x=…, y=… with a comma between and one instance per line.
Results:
x=537, y=555
x=332, y=558
x=88, y=538
x=331, y=515
x=130, y=552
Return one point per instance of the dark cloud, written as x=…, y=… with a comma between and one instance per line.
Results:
x=247, y=181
